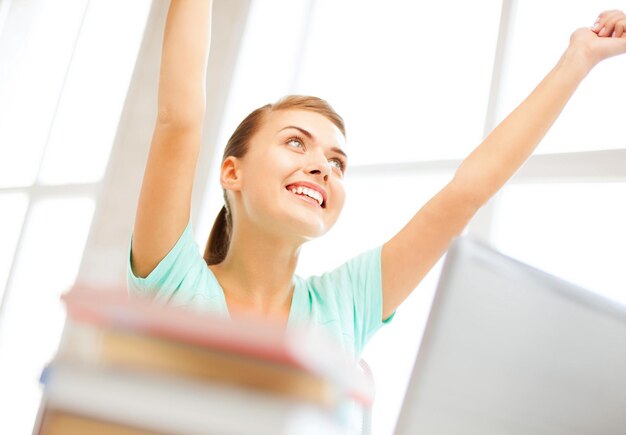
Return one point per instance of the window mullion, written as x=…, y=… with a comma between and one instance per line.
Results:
x=4, y=296
x=480, y=226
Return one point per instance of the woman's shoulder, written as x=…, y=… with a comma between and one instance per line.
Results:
x=348, y=299
x=181, y=278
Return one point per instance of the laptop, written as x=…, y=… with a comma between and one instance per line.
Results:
x=509, y=349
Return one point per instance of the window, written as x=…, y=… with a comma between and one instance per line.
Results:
x=574, y=230
x=400, y=74
x=33, y=317
x=419, y=85
x=64, y=76
x=539, y=33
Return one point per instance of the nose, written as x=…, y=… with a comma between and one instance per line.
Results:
x=319, y=167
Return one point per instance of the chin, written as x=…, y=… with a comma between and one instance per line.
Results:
x=298, y=221
x=304, y=228
x=308, y=232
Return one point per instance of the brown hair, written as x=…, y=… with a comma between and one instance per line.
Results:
x=237, y=146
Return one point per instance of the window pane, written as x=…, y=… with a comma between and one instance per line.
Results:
x=575, y=231
x=376, y=209
x=13, y=208
x=52, y=247
x=94, y=92
x=265, y=71
x=267, y=60
x=594, y=117
x=36, y=46
x=411, y=79
x=4, y=11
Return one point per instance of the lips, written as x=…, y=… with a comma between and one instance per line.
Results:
x=310, y=191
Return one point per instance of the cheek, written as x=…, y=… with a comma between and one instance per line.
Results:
x=260, y=194
x=339, y=197
x=254, y=190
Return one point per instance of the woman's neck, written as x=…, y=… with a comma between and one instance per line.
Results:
x=257, y=273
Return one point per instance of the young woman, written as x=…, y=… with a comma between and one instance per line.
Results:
x=282, y=175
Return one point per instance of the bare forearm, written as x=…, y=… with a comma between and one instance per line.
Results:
x=510, y=144
x=185, y=52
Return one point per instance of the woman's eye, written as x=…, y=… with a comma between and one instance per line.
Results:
x=295, y=142
x=338, y=164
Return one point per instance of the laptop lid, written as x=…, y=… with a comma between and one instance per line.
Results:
x=509, y=349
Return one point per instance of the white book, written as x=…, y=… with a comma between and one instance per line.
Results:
x=180, y=406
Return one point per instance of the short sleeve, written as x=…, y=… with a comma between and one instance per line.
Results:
x=365, y=274
x=178, y=278
x=353, y=292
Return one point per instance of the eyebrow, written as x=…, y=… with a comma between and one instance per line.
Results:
x=310, y=136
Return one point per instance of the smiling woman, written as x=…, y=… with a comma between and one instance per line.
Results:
x=282, y=175
x=264, y=143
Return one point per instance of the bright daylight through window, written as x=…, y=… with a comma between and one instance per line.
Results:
x=419, y=84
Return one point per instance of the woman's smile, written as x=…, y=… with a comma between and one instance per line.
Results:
x=309, y=191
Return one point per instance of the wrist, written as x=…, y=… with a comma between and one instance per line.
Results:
x=577, y=60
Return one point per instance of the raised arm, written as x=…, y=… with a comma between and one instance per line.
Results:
x=165, y=199
x=410, y=254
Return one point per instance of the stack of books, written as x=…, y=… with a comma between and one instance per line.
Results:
x=131, y=367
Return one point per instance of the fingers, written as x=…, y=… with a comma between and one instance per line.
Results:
x=620, y=29
x=603, y=23
x=610, y=23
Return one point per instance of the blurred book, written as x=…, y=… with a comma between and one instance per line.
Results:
x=58, y=422
x=168, y=405
x=83, y=344
x=129, y=366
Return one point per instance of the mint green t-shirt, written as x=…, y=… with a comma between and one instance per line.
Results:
x=347, y=301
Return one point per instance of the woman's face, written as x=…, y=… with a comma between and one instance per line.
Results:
x=294, y=161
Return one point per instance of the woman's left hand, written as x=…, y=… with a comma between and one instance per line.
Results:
x=605, y=39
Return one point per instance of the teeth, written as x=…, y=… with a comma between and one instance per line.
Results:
x=308, y=192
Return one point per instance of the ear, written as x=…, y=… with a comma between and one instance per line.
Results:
x=230, y=175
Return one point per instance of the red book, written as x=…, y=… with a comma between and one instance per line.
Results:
x=301, y=347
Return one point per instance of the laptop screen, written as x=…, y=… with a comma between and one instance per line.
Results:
x=509, y=349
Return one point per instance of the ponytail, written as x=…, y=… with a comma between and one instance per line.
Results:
x=219, y=239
